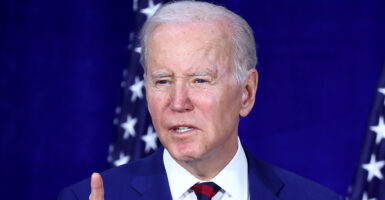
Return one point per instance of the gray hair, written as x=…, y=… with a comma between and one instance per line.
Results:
x=244, y=57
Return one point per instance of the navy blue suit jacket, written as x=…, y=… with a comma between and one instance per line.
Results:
x=146, y=179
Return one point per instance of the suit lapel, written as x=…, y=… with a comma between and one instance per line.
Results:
x=155, y=187
x=263, y=181
x=151, y=180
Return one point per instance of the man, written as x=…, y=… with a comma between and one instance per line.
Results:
x=199, y=61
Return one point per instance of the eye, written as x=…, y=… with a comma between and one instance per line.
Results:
x=200, y=81
x=162, y=82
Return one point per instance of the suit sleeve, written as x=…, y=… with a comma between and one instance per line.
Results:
x=67, y=194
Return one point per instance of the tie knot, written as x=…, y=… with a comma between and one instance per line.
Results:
x=206, y=190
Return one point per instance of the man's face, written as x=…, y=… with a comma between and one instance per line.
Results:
x=192, y=95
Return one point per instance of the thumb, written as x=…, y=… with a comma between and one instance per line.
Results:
x=97, y=189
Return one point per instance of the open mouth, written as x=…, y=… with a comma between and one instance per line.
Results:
x=182, y=129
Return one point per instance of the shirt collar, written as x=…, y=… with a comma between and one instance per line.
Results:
x=179, y=179
x=233, y=179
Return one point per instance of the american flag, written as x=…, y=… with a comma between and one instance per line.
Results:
x=369, y=180
x=135, y=136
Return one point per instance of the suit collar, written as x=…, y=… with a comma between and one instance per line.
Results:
x=264, y=183
x=151, y=178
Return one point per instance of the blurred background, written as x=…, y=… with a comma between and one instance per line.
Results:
x=63, y=66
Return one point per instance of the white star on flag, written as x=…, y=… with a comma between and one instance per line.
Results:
x=136, y=89
x=135, y=5
x=379, y=129
x=382, y=91
x=131, y=38
x=151, y=9
x=118, y=110
x=374, y=168
x=123, y=159
x=110, y=150
x=128, y=127
x=365, y=197
x=150, y=139
x=138, y=50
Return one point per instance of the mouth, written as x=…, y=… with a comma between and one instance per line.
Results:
x=182, y=129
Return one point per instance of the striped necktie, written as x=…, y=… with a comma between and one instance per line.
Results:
x=206, y=190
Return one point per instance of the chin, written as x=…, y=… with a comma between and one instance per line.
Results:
x=184, y=153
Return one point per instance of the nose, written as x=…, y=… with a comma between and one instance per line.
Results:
x=180, y=99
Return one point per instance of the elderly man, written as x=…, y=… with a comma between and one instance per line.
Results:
x=199, y=61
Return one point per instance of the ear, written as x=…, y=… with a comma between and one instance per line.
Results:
x=249, y=90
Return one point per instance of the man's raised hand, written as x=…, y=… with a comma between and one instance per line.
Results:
x=97, y=189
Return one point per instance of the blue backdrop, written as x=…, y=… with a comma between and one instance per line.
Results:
x=61, y=64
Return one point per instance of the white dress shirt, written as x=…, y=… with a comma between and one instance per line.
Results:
x=233, y=179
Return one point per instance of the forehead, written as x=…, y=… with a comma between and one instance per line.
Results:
x=190, y=43
x=213, y=28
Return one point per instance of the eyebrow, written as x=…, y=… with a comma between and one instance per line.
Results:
x=205, y=72
x=202, y=73
x=160, y=75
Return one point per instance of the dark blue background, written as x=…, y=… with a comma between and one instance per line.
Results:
x=60, y=74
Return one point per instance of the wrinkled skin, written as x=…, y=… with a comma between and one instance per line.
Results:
x=193, y=98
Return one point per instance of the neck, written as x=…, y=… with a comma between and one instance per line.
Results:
x=207, y=168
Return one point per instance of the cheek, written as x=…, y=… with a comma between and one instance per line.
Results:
x=217, y=106
x=226, y=107
x=204, y=101
x=156, y=105
x=156, y=102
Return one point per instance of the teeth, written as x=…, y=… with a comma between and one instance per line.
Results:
x=182, y=129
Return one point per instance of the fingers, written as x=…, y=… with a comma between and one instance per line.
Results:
x=97, y=189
